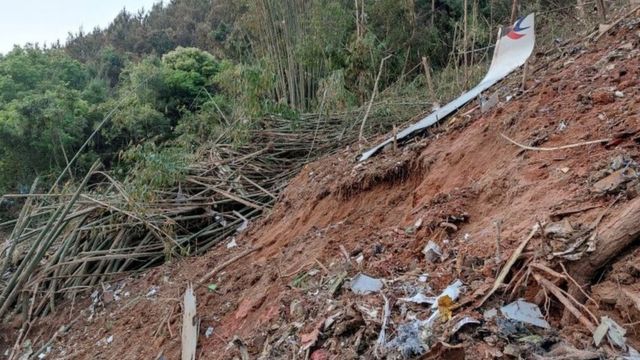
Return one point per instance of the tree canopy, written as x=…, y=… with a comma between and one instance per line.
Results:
x=186, y=69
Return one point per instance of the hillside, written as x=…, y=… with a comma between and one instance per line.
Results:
x=284, y=291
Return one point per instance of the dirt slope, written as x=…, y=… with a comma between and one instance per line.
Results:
x=456, y=184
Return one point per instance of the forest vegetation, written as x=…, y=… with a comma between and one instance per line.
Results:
x=155, y=85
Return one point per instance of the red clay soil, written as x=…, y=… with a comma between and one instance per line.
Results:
x=338, y=218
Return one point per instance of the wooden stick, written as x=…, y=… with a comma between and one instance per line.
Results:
x=373, y=96
x=427, y=75
x=557, y=147
x=565, y=301
x=190, y=325
x=505, y=270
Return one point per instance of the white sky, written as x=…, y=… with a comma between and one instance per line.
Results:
x=45, y=21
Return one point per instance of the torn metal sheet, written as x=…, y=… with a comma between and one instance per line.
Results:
x=363, y=284
x=512, y=50
x=525, y=312
x=614, y=332
x=420, y=298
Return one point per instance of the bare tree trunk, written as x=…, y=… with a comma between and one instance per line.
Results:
x=433, y=12
x=373, y=97
x=465, y=44
x=602, y=9
x=427, y=74
x=358, y=31
x=580, y=9
x=411, y=8
x=514, y=11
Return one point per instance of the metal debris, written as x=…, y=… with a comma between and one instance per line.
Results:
x=408, y=341
x=633, y=354
x=525, y=312
x=420, y=298
x=231, y=244
x=432, y=252
x=490, y=314
x=363, y=284
x=614, y=332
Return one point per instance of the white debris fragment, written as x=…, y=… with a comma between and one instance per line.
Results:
x=525, y=312
x=363, y=284
x=244, y=226
x=419, y=298
x=432, y=252
x=452, y=291
x=618, y=94
x=209, y=332
x=633, y=354
x=423, y=278
x=490, y=314
x=562, y=126
x=152, y=292
x=614, y=332
x=232, y=243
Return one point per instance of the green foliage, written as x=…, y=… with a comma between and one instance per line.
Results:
x=247, y=87
x=43, y=113
x=187, y=71
x=153, y=167
x=191, y=71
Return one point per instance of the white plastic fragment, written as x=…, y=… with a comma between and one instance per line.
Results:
x=363, y=284
x=525, y=312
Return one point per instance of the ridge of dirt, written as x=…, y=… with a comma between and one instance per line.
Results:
x=451, y=187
